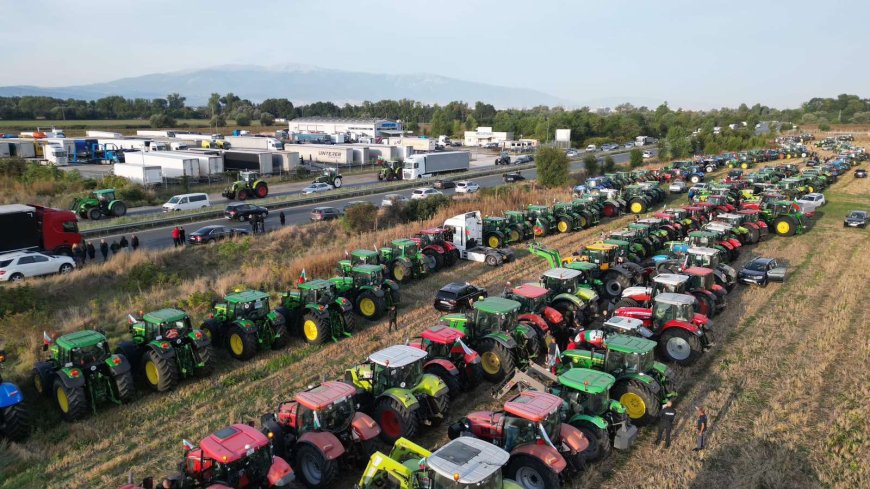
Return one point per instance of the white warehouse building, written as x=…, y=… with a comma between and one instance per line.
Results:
x=485, y=135
x=356, y=128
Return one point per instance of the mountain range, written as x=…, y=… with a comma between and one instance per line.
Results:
x=300, y=84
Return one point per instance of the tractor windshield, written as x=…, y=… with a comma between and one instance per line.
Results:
x=250, y=469
x=487, y=322
x=595, y=403
x=706, y=281
x=403, y=377
x=618, y=361
x=552, y=425
x=334, y=417
x=316, y=296
x=518, y=431
x=437, y=350
x=440, y=481
x=174, y=329
x=87, y=355
x=253, y=309
x=366, y=278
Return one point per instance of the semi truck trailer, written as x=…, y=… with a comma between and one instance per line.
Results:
x=33, y=227
x=254, y=142
x=428, y=164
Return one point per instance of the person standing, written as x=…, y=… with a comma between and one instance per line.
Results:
x=104, y=249
x=666, y=423
x=281, y=218
x=77, y=254
x=134, y=242
x=176, y=233
x=253, y=221
x=124, y=244
x=92, y=252
x=701, y=428
x=182, y=237
x=394, y=324
x=114, y=247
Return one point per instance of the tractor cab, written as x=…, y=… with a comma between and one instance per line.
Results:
x=516, y=217
x=673, y=307
x=169, y=324
x=534, y=211
x=396, y=366
x=626, y=325
x=358, y=257
x=250, y=304
x=81, y=349
x=104, y=196
x=531, y=417
x=562, y=280
x=326, y=407
x=532, y=298
x=441, y=341
x=468, y=463
x=317, y=291
x=407, y=248
x=367, y=275
x=493, y=314
x=236, y=456
x=601, y=254
x=249, y=177
x=436, y=235
x=699, y=278
x=702, y=256
x=586, y=391
x=669, y=282
x=734, y=221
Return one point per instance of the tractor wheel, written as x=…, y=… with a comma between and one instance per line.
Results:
x=637, y=206
x=241, y=344
x=706, y=306
x=282, y=336
x=451, y=380
x=615, y=283
x=337, y=182
x=230, y=195
x=315, y=470
x=119, y=209
x=491, y=260
x=396, y=420
x=125, y=387
x=442, y=408
x=73, y=403
x=496, y=360
x=641, y=405
x=369, y=305
x=242, y=195
x=452, y=258
x=160, y=374
x=206, y=356
x=585, y=220
x=41, y=376
x=754, y=235
x=212, y=328
x=695, y=178
x=564, y=225
x=785, y=226
x=493, y=240
x=261, y=190
x=627, y=302
x=610, y=209
x=14, y=422
x=473, y=376
x=94, y=214
x=401, y=271
x=514, y=235
x=599, y=442
x=534, y=343
x=315, y=329
x=436, y=258
x=531, y=473
x=349, y=321
x=679, y=346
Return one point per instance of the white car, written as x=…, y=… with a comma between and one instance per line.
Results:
x=811, y=201
x=647, y=154
x=20, y=265
x=422, y=193
x=393, y=199
x=677, y=187
x=466, y=187
x=591, y=148
x=317, y=188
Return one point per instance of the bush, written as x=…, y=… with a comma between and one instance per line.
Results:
x=230, y=250
x=243, y=119
x=161, y=120
x=15, y=300
x=552, y=166
x=609, y=165
x=590, y=162
x=267, y=119
x=132, y=193
x=360, y=218
x=636, y=158
x=421, y=209
x=147, y=275
x=824, y=126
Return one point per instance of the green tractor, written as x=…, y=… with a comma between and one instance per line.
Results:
x=393, y=389
x=99, y=204
x=784, y=217
x=589, y=211
x=390, y=170
x=329, y=176
x=584, y=281
x=316, y=312
x=166, y=349
x=249, y=184
x=632, y=242
x=365, y=286
x=569, y=295
x=566, y=219
x=518, y=225
x=244, y=323
x=642, y=385
x=81, y=373
x=541, y=219
x=405, y=261
x=492, y=329
x=497, y=232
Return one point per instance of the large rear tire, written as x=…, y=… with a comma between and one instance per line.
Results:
x=337, y=182
x=442, y=409
x=242, y=195
x=531, y=473
x=452, y=257
x=72, y=402
x=261, y=189
x=206, y=356
x=14, y=422
x=615, y=283
x=641, y=405
x=125, y=387
x=395, y=420
x=282, y=336
x=313, y=468
x=679, y=346
x=315, y=328
x=160, y=374
x=369, y=305
x=473, y=376
x=119, y=209
x=94, y=214
x=637, y=206
x=599, y=442
x=401, y=271
x=452, y=381
x=436, y=258
x=627, y=302
x=493, y=240
x=496, y=360
x=785, y=226
x=241, y=344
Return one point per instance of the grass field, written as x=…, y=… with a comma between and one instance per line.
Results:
x=780, y=385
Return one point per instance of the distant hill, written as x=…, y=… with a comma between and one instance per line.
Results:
x=299, y=83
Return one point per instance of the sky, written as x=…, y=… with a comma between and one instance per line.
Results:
x=690, y=53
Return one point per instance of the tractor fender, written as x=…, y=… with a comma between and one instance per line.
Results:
x=364, y=426
x=318, y=311
x=537, y=321
x=545, y=453
x=436, y=248
x=246, y=325
x=328, y=444
x=674, y=323
x=586, y=419
x=199, y=338
x=119, y=365
x=275, y=317
x=552, y=316
x=735, y=242
x=69, y=381
x=445, y=364
x=710, y=295
x=573, y=438
x=642, y=378
x=430, y=385
x=403, y=396
x=280, y=474
x=587, y=295
x=503, y=339
x=392, y=284
x=624, y=270
x=345, y=304
x=10, y=395
x=573, y=299
x=158, y=347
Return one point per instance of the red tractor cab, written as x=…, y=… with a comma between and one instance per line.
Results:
x=535, y=311
x=642, y=296
x=670, y=220
x=438, y=243
x=698, y=213
x=721, y=202
x=449, y=358
x=672, y=322
x=753, y=218
x=544, y=452
x=710, y=297
x=319, y=428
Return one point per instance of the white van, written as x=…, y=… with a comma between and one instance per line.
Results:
x=186, y=202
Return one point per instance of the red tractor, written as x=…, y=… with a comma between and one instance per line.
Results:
x=450, y=358
x=237, y=456
x=672, y=322
x=437, y=243
x=318, y=428
x=544, y=452
x=698, y=213
x=536, y=311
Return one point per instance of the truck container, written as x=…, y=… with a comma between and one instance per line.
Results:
x=33, y=227
x=155, y=133
x=311, y=138
x=5, y=149
x=419, y=144
x=174, y=165
x=254, y=142
x=141, y=174
x=54, y=154
x=428, y=164
x=22, y=148
x=133, y=144
x=240, y=160
x=103, y=134
x=209, y=164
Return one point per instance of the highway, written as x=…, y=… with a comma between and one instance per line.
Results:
x=156, y=238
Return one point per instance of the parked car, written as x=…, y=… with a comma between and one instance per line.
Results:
x=647, y=154
x=393, y=199
x=442, y=184
x=211, y=234
x=466, y=187
x=458, y=296
x=241, y=211
x=856, y=219
x=424, y=192
x=23, y=264
x=513, y=176
x=186, y=202
x=317, y=188
x=677, y=187
x=812, y=201
x=491, y=145
x=760, y=271
x=860, y=173
x=324, y=214
x=629, y=145
x=572, y=153
x=522, y=160
x=591, y=148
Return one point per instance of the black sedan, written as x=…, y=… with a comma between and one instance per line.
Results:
x=860, y=173
x=243, y=211
x=855, y=219
x=212, y=234
x=458, y=296
x=760, y=271
x=513, y=177
x=442, y=184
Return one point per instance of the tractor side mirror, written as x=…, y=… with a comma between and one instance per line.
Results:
x=2, y=356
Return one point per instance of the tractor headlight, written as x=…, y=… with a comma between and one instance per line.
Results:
x=93, y=368
x=402, y=385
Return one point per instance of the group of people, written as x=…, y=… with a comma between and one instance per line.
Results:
x=85, y=251
x=666, y=424
x=258, y=224
x=178, y=236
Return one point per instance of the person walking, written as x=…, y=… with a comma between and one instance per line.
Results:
x=124, y=244
x=182, y=237
x=77, y=254
x=176, y=234
x=700, y=427
x=281, y=218
x=394, y=324
x=104, y=249
x=134, y=242
x=92, y=252
x=114, y=247
x=666, y=423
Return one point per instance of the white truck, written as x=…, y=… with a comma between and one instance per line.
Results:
x=141, y=174
x=467, y=235
x=428, y=164
x=55, y=154
x=254, y=142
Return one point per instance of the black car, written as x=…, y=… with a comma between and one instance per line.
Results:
x=442, y=184
x=523, y=159
x=458, y=296
x=514, y=176
x=211, y=234
x=242, y=211
x=324, y=214
x=855, y=219
x=760, y=271
x=860, y=173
